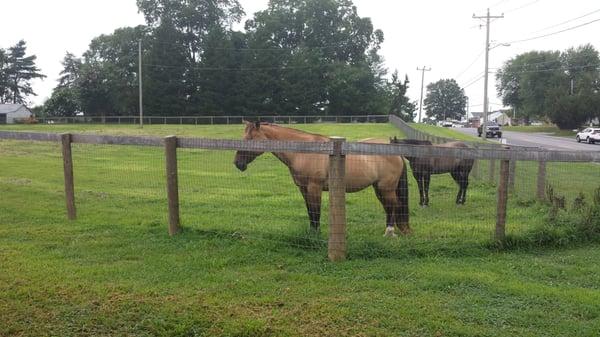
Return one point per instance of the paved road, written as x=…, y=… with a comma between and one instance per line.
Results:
x=538, y=140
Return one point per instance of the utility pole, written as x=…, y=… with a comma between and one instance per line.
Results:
x=487, y=18
x=423, y=70
x=140, y=83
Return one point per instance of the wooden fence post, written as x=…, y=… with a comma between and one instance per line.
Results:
x=492, y=172
x=541, y=180
x=68, y=173
x=502, y=200
x=337, y=202
x=172, y=186
x=512, y=168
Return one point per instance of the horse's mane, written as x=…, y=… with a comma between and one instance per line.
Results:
x=410, y=141
x=296, y=131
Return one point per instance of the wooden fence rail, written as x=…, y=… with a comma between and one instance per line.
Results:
x=336, y=149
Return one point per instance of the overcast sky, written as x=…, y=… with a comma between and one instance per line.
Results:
x=440, y=34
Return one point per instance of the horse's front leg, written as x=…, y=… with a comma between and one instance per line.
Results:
x=426, y=181
x=312, y=197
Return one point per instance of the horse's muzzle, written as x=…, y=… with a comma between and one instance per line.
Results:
x=241, y=166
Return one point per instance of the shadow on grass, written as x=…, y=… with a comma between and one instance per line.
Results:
x=307, y=242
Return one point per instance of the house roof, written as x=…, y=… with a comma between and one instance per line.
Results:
x=8, y=108
x=497, y=114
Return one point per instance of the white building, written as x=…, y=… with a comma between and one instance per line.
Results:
x=11, y=112
x=499, y=117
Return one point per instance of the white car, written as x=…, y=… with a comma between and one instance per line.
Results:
x=589, y=135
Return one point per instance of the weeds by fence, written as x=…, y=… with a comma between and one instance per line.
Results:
x=195, y=173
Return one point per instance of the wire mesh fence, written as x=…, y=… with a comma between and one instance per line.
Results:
x=267, y=202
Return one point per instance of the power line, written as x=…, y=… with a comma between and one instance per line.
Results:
x=567, y=21
x=521, y=7
x=474, y=81
x=240, y=69
x=554, y=33
x=587, y=66
x=470, y=65
x=330, y=46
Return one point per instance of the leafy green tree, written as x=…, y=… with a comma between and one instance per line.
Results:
x=194, y=19
x=575, y=98
x=19, y=71
x=108, y=83
x=322, y=58
x=562, y=87
x=523, y=82
x=203, y=25
x=400, y=104
x=165, y=72
x=445, y=99
x=64, y=102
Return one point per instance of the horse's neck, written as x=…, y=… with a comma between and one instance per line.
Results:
x=286, y=134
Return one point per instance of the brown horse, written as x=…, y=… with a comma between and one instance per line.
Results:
x=387, y=174
x=423, y=168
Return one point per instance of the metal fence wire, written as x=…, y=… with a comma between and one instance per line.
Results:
x=121, y=180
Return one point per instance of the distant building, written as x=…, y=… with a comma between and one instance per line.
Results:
x=499, y=117
x=11, y=113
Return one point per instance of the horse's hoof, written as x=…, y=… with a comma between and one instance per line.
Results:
x=406, y=231
x=389, y=232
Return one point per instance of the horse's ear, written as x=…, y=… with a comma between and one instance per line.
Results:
x=257, y=125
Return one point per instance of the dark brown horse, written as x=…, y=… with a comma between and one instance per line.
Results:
x=423, y=168
x=387, y=174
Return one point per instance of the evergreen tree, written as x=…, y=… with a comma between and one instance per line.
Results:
x=400, y=104
x=19, y=71
x=3, y=76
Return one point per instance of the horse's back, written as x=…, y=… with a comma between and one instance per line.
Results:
x=454, y=144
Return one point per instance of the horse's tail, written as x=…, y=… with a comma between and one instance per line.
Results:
x=402, y=194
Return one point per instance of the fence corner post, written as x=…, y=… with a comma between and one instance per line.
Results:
x=502, y=201
x=541, y=180
x=337, y=201
x=172, y=185
x=68, y=174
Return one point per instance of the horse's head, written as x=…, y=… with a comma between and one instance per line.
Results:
x=253, y=131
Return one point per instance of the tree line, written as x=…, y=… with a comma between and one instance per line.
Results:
x=560, y=87
x=296, y=57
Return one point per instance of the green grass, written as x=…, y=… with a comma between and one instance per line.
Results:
x=549, y=129
x=245, y=264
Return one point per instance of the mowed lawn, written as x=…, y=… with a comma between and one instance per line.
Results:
x=246, y=265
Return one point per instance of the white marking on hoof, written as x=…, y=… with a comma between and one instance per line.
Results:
x=389, y=232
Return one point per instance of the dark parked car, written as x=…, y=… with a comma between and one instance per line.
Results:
x=491, y=130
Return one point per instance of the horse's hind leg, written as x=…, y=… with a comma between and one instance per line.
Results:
x=426, y=181
x=465, y=185
x=463, y=182
x=312, y=198
x=457, y=178
x=388, y=206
